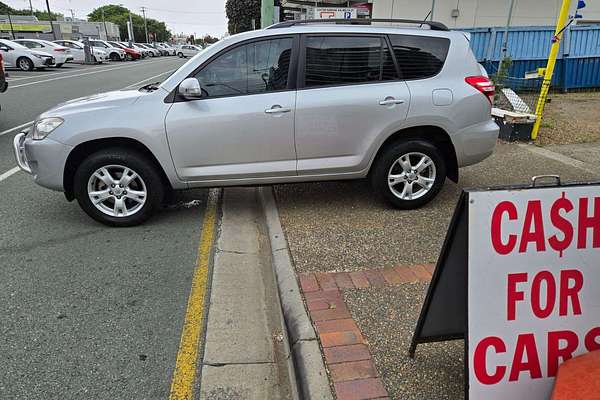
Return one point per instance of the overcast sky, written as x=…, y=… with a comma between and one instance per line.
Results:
x=187, y=16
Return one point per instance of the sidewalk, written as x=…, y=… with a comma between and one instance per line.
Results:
x=245, y=356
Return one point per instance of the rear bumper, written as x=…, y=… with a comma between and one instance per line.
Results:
x=44, y=159
x=476, y=142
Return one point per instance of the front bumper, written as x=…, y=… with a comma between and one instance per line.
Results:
x=44, y=159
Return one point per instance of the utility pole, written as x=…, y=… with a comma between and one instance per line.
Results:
x=12, y=31
x=51, y=19
x=130, y=31
x=31, y=7
x=432, y=8
x=145, y=23
x=72, y=14
x=104, y=23
x=505, y=36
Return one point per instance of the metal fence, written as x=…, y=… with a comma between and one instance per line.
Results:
x=517, y=94
x=578, y=65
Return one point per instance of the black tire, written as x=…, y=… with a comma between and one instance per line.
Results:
x=25, y=64
x=114, y=57
x=59, y=65
x=387, y=162
x=151, y=54
x=137, y=162
x=180, y=55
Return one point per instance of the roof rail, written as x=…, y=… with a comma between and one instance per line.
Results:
x=435, y=26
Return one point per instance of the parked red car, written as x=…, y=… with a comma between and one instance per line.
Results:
x=130, y=54
x=3, y=83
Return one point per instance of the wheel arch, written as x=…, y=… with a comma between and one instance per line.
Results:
x=434, y=134
x=83, y=150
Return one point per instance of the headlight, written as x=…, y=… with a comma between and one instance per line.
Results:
x=45, y=126
x=38, y=56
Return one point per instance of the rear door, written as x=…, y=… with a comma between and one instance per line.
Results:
x=349, y=98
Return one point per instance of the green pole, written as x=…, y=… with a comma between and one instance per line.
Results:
x=267, y=13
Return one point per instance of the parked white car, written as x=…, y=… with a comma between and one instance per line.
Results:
x=188, y=50
x=152, y=52
x=168, y=49
x=60, y=53
x=78, y=53
x=114, y=53
x=18, y=56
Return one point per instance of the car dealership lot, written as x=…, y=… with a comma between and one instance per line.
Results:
x=87, y=311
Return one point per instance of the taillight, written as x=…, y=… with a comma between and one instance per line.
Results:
x=60, y=50
x=484, y=85
x=1, y=63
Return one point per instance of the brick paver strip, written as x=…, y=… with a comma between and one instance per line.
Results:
x=359, y=279
x=343, y=280
x=341, y=338
x=408, y=276
x=349, y=371
x=353, y=352
x=375, y=278
x=330, y=314
x=421, y=272
x=308, y=283
x=350, y=363
x=430, y=268
x=360, y=389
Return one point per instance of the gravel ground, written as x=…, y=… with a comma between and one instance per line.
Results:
x=343, y=226
x=571, y=118
x=387, y=317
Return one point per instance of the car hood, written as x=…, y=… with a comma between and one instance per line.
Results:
x=101, y=101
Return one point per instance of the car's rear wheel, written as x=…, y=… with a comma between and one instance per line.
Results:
x=409, y=174
x=180, y=55
x=118, y=187
x=25, y=64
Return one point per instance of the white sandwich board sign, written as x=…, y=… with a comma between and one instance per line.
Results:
x=531, y=272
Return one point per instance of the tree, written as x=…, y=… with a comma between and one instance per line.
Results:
x=41, y=15
x=206, y=40
x=240, y=14
x=120, y=15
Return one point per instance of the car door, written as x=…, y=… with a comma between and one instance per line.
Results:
x=7, y=55
x=349, y=99
x=243, y=126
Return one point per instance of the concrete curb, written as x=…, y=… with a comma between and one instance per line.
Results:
x=309, y=367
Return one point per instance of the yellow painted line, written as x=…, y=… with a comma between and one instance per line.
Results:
x=182, y=384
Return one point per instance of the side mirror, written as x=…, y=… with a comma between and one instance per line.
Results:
x=4, y=48
x=190, y=89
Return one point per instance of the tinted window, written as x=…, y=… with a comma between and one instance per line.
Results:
x=419, y=56
x=249, y=69
x=333, y=60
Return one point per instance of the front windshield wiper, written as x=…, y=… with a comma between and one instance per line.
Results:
x=151, y=87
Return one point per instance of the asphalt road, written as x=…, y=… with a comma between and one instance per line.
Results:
x=88, y=312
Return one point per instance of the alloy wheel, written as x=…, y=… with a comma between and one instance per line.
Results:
x=411, y=176
x=117, y=191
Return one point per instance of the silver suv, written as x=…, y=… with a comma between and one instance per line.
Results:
x=300, y=101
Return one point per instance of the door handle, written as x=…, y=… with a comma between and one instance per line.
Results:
x=277, y=110
x=390, y=101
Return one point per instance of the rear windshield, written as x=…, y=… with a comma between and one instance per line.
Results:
x=420, y=57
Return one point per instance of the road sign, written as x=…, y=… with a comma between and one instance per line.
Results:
x=332, y=13
x=518, y=279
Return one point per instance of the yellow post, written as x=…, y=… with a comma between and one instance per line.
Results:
x=560, y=24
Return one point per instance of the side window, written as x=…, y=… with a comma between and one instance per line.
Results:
x=257, y=67
x=419, y=57
x=341, y=60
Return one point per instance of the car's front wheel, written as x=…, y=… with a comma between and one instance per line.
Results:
x=118, y=187
x=59, y=65
x=25, y=64
x=180, y=55
x=409, y=174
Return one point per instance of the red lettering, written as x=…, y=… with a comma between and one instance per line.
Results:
x=525, y=346
x=591, y=343
x=572, y=292
x=480, y=360
x=586, y=222
x=536, y=295
x=513, y=295
x=555, y=351
x=562, y=224
x=533, y=227
x=511, y=210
